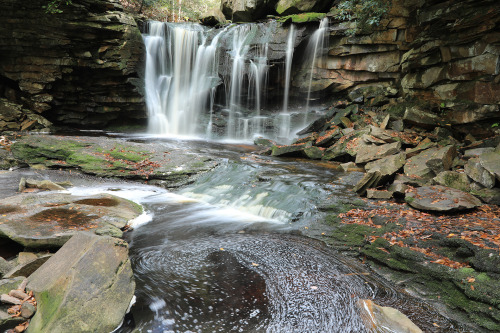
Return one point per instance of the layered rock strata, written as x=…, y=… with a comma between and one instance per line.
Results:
x=78, y=68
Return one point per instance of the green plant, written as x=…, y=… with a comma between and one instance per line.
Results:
x=365, y=13
x=53, y=6
x=495, y=125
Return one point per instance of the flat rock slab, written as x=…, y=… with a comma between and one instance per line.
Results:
x=109, y=157
x=48, y=220
x=86, y=286
x=441, y=199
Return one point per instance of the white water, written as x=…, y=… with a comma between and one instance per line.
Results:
x=213, y=84
x=315, y=47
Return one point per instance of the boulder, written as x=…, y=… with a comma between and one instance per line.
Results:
x=378, y=194
x=213, y=18
x=327, y=138
x=475, y=170
x=491, y=162
x=86, y=286
x=369, y=153
x=288, y=7
x=489, y=195
x=370, y=179
x=49, y=220
x=440, y=199
x=430, y=162
x=476, y=152
x=385, y=319
x=347, y=145
x=387, y=166
x=290, y=150
x=314, y=153
x=453, y=179
x=417, y=116
x=247, y=10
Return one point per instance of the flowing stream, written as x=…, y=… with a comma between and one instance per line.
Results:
x=227, y=254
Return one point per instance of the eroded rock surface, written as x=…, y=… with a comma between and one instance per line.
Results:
x=86, y=286
x=49, y=220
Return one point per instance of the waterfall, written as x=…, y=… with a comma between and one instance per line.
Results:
x=315, y=50
x=285, y=122
x=288, y=65
x=181, y=70
x=213, y=83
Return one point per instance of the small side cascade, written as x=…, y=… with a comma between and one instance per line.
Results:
x=285, y=121
x=317, y=43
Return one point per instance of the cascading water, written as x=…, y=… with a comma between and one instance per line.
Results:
x=315, y=48
x=183, y=73
x=180, y=72
x=284, y=131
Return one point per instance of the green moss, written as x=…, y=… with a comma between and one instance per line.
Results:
x=303, y=18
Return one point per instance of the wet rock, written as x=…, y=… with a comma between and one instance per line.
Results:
x=378, y=194
x=387, y=166
x=42, y=185
x=491, y=162
x=351, y=166
x=86, y=286
x=453, y=179
x=430, y=162
x=27, y=268
x=49, y=220
x=107, y=157
x=478, y=173
x=370, y=179
x=314, y=153
x=327, y=138
x=347, y=145
x=291, y=150
x=372, y=152
x=440, y=199
x=385, y=319
x=264, y=142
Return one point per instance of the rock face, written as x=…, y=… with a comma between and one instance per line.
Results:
x=416, y=53
x=287, y=7
x=247, y=10
x=86, y=286
x=79, y=67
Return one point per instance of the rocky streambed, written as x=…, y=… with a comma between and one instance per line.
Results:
x=420, y=251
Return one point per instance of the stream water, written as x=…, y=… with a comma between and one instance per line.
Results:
x=227, y=254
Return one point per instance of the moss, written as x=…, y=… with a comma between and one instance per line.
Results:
x=397, y=110
x=303, y=18
x=351, y=235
